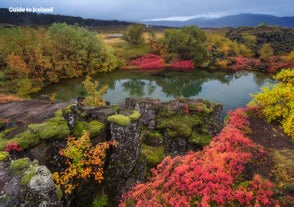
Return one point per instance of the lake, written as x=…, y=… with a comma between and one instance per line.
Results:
x=231, y=89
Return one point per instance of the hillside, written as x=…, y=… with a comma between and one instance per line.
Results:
x=10, y=18
x=230, y=21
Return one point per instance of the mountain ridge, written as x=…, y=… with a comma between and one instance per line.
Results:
x=229, y=21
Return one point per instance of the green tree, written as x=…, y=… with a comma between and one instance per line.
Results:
x=95, y=97
x=187, y=43
x=134, y=34
x=266, y=51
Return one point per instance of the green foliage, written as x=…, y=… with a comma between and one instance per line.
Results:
x=18, y=165
x=4, y=156
x=95, y=97
x=277, y=103
x=266, y=51
x=187, y=43
x=134, y=34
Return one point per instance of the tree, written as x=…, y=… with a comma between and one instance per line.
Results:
x=134, y=34
x=95, y=97
x=266, y=51
x=187, y=43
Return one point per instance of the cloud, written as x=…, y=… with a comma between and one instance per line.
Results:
x=158, y=9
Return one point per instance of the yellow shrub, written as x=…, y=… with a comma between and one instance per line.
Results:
x=277, y=103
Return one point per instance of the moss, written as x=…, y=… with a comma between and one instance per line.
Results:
x=119, y=119
x=26, y=140
x=200, y=139
x=154, y=155
x=124, y=120
x=101, y=200
x=25, y=180
x=178, y=125
x=135, y=115
x=284, y=168
x=94, y=128
x=151, y=138
x=54, y=128
x=59, y=193
x=19, y=165
x=4, y=156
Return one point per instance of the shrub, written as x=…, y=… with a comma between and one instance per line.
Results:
x=84, y=162
x=95, y=97
x=134, y=34
x=183, y=65
x=149, y=61
x=212, y=177
x=277, y=103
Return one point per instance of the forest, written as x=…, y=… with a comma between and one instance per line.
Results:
x=180, y=153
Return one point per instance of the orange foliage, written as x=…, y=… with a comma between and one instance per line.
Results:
x=84, y=162
x=4, y=98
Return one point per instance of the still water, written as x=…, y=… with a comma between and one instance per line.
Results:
x=230, y=89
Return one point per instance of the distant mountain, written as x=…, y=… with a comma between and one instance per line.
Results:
x=229, y=21
x=24, y=18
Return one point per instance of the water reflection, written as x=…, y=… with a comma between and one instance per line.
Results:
x=230, y=89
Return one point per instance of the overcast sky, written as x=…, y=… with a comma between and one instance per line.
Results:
x=157, y=9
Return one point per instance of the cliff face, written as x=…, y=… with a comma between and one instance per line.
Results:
x=146, y=130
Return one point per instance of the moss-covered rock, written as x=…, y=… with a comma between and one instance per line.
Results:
x=124, y=120
x=154, y=155
x=4, y=156
x=93, y=127
x=19, y=165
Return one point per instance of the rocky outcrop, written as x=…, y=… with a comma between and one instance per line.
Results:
x=126, y=166
x=26, y=183
x=146, y=131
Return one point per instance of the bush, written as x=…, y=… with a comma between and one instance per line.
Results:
x=277, y=103
x=95, y=97
x=134, y=34
x=212, y=177
x=149, y=61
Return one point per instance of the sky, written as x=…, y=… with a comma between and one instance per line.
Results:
x=135, y=10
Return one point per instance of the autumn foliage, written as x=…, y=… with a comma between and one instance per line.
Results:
x=183, y=65
x=212, y=177
x=149, y=61
x=84, y=162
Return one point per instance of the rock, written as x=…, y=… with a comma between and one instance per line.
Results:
x=28, y=185
x=126, y=167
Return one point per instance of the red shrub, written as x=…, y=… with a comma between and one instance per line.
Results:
x=183, y=65
x=13, y=147
x=243, y=63
x=149, y=61
x=212, y=177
